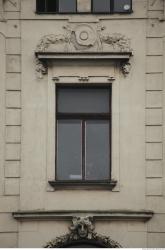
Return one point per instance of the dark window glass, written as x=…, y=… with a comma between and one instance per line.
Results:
x=83, y=100
x=41, y=5
x=70, y=6
x=66, y=6
x=51, y=5
x=97, y=150
x=83, y=134
x=69, y=150
x=101, y=6
x=122, y=6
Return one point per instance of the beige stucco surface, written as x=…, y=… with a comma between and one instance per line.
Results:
x=27, y=126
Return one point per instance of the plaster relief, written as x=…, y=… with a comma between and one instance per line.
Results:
x=84, y=38
x=82, y=229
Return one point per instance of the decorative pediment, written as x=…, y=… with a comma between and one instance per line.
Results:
x=87, y=42
x=82, y=230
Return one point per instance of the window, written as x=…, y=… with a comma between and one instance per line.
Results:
x=83, y=134
x=101, y=6
x=53, y=6
x=75, y=6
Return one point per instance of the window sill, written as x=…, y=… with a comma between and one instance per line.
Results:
x=87, y=185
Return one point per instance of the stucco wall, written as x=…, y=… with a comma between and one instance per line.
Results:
x=27, y=127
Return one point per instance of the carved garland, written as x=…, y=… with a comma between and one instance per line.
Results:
x=80, y=38
x=82, y=229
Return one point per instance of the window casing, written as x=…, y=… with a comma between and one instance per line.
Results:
x=83, y=146
x=72, y=6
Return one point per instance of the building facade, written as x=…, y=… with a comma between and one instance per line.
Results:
x=82, y=123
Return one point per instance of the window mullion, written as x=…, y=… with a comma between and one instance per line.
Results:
x=83, y=149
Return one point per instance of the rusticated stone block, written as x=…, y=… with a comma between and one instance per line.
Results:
x=13, y=63
x=12, y=168
x=13, y=151
x=154, y=81
x=13, y=99
x=154, y=168
x=13, y=81
x=12, y=186
x=154, y=133
x=154, y=116
x=13, y=46
x=154, y=186
x=154, y=151
x=13, y=117
x=153, y=99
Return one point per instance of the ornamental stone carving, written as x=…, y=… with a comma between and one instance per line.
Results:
x=82, y=229
x=126, y=68
x=83, y=38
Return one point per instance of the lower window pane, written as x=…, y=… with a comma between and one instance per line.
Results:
x=97, y=150
x=69, y=150
x=101, y=5
x=122, y=6
x=66, y=6
x=51, y=5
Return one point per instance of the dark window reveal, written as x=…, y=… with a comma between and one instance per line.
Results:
x=83, y=134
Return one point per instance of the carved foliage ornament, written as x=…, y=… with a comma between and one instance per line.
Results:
x=82, y=229
x=83, y=38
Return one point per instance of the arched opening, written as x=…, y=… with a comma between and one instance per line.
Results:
x=82, y=235
x=85, y=244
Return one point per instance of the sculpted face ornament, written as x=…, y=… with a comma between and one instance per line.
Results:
x=81, y=227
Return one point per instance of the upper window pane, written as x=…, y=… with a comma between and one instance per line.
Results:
x=83, y=100
x=41, y=7
x=101, y=5
x=66, y=6
x=122, y=6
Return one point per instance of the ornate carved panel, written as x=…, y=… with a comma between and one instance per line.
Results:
x=82, y=230
x=84, y=39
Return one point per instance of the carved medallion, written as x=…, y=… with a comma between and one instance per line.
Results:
x=83, y=37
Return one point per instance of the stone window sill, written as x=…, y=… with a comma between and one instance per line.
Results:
x=92, y=185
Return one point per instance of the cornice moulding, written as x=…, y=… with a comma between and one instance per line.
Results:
x=111, y=215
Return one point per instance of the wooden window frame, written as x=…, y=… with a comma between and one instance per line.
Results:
x=97, y=184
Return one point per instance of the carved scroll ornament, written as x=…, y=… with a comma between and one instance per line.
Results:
x=82, y=228
x=83, y=38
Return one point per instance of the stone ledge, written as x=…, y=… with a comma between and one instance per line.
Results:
x=111, y=215
x=84, y=55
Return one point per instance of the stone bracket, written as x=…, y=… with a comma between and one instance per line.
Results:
x=44, y=57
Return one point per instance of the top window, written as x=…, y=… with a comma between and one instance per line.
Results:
x=79, y=6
